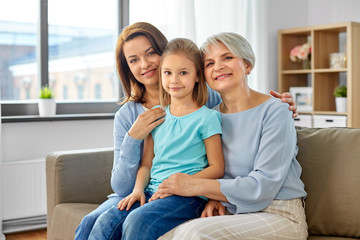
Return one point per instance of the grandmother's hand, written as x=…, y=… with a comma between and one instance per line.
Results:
x=158, y=195
x=286, y=97
x=146, y=122
x=213, y=208
x=180, y=184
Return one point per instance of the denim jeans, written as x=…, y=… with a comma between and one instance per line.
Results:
x=149, y=221
x=83, y=230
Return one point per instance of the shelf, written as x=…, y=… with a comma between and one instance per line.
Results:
x=325, y=40
x=302, y=71
x=330, y=70
x=329, y=113
x=324, y=113
x=320, y=70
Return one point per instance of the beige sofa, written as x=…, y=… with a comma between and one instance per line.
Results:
x=77, y=181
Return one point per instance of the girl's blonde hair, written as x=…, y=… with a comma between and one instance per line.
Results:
x=134, y=90
x=189, y=49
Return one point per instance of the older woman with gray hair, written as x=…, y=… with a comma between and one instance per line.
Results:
x=261, y=194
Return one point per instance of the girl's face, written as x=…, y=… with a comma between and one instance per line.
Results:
x=223, y=70
x=179, y=76
x=143, y=60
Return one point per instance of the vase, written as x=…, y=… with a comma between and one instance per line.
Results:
x=340, y=103
x=306, y=63
x=47, y=107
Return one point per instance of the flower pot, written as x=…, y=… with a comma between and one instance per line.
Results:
x=47, y=107
x=341, y=104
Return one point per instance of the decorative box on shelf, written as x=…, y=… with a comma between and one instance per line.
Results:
x=303, y=120
x=324, y=121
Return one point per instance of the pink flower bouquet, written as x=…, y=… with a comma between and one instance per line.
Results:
x=301, y=52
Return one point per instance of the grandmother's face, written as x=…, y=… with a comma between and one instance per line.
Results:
x=223, y=70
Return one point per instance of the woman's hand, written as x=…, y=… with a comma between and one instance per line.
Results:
x=213, y=208
x=287, y=98
x=178, y=184
x=146, y=122
x=158, y=195
x=128, y=201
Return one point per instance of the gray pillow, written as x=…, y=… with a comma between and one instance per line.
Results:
x=330, y=159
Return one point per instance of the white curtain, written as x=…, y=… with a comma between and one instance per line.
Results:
x=2, y=237
x=198, y=19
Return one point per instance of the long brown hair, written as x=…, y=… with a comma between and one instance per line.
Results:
x=189, y=49
x=134, y=90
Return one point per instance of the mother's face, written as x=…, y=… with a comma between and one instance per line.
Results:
x=223, y=70
x=143, y=60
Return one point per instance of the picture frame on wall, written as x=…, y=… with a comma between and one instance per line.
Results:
x=303, y=98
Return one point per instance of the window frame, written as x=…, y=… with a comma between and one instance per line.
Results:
x=25, y=108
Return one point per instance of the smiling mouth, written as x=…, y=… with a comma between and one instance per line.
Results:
x=222, y=76
x=149, y=72
x=175, y=88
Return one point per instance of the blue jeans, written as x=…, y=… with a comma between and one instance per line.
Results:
x=83, y=230
x=149, y=221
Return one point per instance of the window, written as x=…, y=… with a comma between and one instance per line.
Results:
x=80, y=92
x=98, y=91
x=78, y=40
x=65, y=92
x=81, y=47
x=18, y=47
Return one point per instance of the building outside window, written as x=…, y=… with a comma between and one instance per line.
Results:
x=98, y=91
x=18, y=47
x=81, y=41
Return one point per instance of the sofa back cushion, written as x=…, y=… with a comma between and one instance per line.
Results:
x=330, y=159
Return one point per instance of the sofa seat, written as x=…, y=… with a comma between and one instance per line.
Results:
x=67, y=217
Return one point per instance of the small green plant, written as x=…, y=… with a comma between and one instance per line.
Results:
x=46, y=93
x=340, y=91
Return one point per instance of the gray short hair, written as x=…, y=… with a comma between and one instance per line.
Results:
x=236, y=44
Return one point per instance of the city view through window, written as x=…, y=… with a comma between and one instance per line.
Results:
x=81, y=43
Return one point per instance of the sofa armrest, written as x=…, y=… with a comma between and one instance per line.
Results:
x=78, y=176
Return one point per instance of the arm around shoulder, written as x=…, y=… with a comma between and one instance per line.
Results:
x=127, y=152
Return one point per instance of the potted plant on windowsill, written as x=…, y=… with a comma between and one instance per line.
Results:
x=340, y=94
x=46, y=104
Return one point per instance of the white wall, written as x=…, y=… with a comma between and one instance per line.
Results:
x=28, y=143
x=298, y=13
x=333, y=11
x=34, y=140
x=282, y=14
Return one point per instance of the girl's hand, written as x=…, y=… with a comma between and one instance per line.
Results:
x=213, y=208
x=146, y=122
x=128, y=201
x=158, y=195
x=180, y=184
x=287, y=98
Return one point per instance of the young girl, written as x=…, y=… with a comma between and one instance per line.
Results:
x=187, y=142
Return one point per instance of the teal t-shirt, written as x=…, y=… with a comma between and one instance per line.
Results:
x=179, y=145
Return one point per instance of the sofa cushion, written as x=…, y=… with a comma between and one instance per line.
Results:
x=66, y=218
x=330, y=159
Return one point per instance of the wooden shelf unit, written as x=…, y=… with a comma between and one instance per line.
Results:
x=324, y=39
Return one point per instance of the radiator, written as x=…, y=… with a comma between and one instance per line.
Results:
x=24, y=195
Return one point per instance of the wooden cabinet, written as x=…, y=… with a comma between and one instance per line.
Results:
x=325, y=40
